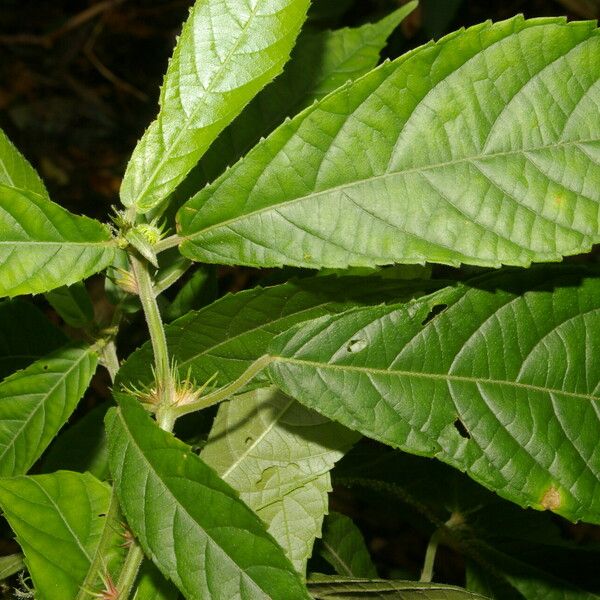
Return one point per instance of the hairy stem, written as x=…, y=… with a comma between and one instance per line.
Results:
x=104, y=546
x=169, y=242
x=166, y=387
x=164, y=380
x=222, y=394
x=129, y=572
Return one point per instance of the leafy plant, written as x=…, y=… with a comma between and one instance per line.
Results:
x=480, y=149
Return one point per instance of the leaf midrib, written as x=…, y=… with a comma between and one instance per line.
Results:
x=206, y=91
x=44, y=399
x=447, y=377
x=227, y=340
x=179, y=506
x=107, y=243
x=259, y=439
x=419, y=169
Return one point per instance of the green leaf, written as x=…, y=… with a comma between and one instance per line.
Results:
x=338, y=588
x=519, y=554
x=482, y=148
x=58, y=520
x=36, y=402
x=15, y=171
x=44, y=246
x=11, y=564
x=277, y=455
x=25, y=335
x=227, y=53
x=81, y=447
x=228, y=335
x=343, y=547
x=188, y=520
x=198, y=291
x=320, y=62
x=73, y=304
x=151, y=585
x=502, y=384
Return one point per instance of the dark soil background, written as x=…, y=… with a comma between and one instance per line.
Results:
x=79, y=82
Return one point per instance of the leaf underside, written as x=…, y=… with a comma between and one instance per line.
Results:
x=188, y=520
x=43, y=246
x=277, y=454
x=227, y=52
x=482, y=148
x=503, y=384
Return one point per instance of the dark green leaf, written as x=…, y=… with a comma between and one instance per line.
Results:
x=81, y=447
x=339, y=588
x=58, y=520
x=227, y=52
x=151, y=585
x=73, y=304
x=227, y=336
x=502, y=384
x=482, y=148
x=43, y=246
x=36, y=402
x=198, y=291
x=188, y=520
x=25, y=335
x=343, y=547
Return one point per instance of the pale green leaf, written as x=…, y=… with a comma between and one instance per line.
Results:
x=482, y=148
x=36, y=402
x=339, y=588
x=43, y=246
x=228, y=335
x=58, y=520
x=25, y=335
x=277, y=455
x=344, y=548
x=73, y=304
x=320, y=62
x=228, y=51
x=503, y=384
x=15, y=170
x=188, y=520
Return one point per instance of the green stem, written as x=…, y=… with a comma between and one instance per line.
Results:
x=222, y=394
x=104, y=546
x=166, y=387
x=427, y=572
x=169, y=242
x=164, y=380
x=130, y=569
